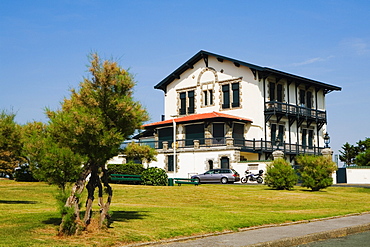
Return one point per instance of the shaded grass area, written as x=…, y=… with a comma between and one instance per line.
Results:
x=28, y=214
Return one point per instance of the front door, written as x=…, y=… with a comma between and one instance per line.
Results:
x=225, y=163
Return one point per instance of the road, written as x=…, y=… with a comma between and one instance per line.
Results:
x=354, y=240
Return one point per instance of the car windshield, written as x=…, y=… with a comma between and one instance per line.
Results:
x=210, y=172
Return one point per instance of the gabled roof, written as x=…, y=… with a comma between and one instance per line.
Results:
x=214, y=116
x=262, y=71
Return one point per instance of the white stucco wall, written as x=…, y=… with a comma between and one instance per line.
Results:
x=358, y=176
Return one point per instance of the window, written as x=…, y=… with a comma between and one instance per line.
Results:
x=234, y=94
x=238, y=133
x=277, y=134
x=170, y=163
x=182, y=103
x=218, y=133
x=305, y=98
x=207, y=97
x=187, y=103
x=194, y=132
x=307, y=138
x=276, y=92
x=235, y=88
x=226, y=96
x=191, y=102
x=165, y=134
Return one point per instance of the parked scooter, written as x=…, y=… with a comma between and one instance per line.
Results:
x=252, y=177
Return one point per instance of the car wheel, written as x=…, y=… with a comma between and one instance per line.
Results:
x=224, y=180
x=197, y=180
x=259, y=180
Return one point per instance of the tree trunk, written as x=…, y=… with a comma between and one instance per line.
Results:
x=92, y=184
x=104, y=208
x=74, y=199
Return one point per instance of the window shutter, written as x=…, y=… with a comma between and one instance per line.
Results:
x=236, y=100
x=226, y=96
x=191, y=102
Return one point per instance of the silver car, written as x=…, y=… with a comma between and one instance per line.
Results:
x=218, y=175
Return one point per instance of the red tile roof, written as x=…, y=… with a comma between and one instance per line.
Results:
x=195, y=117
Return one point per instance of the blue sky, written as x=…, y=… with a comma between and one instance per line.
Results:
x=44, y=47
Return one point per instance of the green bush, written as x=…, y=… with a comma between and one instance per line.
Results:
x=24, y=174
x=154, y=176
x=129, y=168
x=280, y=175
x=316, y=171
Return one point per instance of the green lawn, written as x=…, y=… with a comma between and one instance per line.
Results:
x=28, y=214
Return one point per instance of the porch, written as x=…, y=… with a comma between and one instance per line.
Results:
x=254, y=146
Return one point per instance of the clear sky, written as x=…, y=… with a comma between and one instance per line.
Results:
x=44, y=47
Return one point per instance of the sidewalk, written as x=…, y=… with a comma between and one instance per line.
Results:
x=278, y=235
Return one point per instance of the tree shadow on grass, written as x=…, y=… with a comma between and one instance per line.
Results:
x=123, y=216
x=116, y=216
x=17, y=202
x=53, y=221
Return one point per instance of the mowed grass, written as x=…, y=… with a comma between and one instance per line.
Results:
x=28, y=214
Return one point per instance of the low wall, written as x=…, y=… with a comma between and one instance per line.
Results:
x=358, y=175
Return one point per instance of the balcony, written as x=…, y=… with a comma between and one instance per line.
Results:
x=299, y=112
x=254, y=146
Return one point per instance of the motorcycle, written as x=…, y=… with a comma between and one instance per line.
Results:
x=252, y=177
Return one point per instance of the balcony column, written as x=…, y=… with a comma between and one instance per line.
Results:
x=229, y=142
x=328, y=153
x=278, y=154
x=165, y=145
x=196, y=144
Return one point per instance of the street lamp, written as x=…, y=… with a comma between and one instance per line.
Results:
x=326, y=140
x=174, y=144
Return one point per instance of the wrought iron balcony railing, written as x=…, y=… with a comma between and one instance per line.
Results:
x=274, y=107
x=256, y=146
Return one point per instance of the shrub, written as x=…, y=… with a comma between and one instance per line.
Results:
x=280, y=175
x=154, y=176
x=129, y=168
x=24, y=174
x=316, y=171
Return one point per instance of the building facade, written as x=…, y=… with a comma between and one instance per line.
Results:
x=225, y=113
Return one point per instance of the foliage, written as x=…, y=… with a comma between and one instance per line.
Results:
x=356, y=154
x=100, y=115
x=144, y=153
x=128, y=168
x=10, y=144
x=154, y=176
x=316, y=171
x=93, y=122
x=280, y=175
x=348, y=154
x=49, y=161
x=23, y=173
x=363, y=158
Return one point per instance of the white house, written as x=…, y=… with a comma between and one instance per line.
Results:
x=226, y=113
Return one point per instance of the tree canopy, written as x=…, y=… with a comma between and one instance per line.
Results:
x=10, y=143
x=94, y=122
x=356, y=154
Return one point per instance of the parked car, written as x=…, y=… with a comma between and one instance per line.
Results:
x=218, y=175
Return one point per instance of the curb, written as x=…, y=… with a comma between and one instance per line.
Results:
x=284, y=242
x=341, y=232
